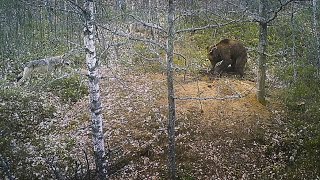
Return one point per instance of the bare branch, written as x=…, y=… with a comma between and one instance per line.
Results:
x=83, y=11
x=254, y=16
x=275, y=13
x=129, y=37
x=236, y=96
x=280, y=53
x=208, y=98
x=209, y=26
x=151, y=25
x=212, y=26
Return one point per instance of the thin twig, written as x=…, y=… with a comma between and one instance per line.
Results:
x=209, y=98
x=151, y=25
x=128, y=36
x=275, y=13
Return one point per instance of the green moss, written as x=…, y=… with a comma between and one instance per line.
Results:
x=69, y=89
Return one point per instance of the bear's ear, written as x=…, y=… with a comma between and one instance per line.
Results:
x=208, y=48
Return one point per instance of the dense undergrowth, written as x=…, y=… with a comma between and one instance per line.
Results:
x=298, y=78
x=302, y=100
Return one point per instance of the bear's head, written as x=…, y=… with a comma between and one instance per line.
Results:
x=213, y=54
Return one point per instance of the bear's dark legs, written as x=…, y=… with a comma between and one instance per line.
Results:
x=223, y=66
x=233, y=67
x=212, y=71
x=240, y=64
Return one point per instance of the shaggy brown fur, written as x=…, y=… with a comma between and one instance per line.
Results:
x=230, y=52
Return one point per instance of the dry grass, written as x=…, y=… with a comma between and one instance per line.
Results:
x=215, y=138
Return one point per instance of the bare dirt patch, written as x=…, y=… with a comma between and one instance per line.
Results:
x=221, y=137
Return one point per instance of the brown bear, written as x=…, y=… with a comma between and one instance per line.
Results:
x=232, y=53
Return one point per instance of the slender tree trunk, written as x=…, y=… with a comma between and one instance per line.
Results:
x=293, y=44
x=95, y=101
x=55, y=20
x=316, y=33
x=261, y=92
x=171, y=100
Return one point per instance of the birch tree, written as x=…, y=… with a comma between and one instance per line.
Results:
x=89, y=33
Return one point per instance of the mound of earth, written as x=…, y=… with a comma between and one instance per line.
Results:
x=230, y=102
x=219, y=128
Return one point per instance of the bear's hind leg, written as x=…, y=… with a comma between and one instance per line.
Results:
x=240, y=64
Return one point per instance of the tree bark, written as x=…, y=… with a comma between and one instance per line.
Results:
x=293, y=44
x=316, y=33
x=95, y=101
x=263, y=25
x=171, y=100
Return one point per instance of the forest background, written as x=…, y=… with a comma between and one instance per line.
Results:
x=151, y=65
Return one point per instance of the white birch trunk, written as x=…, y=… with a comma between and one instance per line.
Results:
x=261, y=91
x=95, y=101
x=171, y=100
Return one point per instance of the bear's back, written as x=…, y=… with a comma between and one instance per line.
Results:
x=236, y=47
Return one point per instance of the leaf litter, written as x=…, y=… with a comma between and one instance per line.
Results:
x=215, y=138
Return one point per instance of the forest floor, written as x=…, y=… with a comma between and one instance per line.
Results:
x=222, y=131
